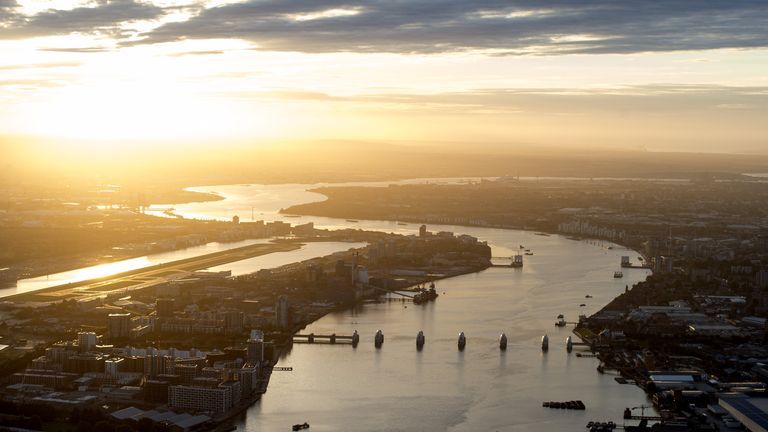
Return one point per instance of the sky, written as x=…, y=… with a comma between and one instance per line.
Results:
x=663, y=76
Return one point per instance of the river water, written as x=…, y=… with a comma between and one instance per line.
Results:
x=397, y=388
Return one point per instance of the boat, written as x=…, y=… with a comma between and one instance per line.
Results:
x=462, y=341
x=378, y=340
x=302, y=426
x=355, y=338
x=560, y=321
x=503, y=342
x=402, y=223
x=419, y=298
x=544, y=343
x=353, y=220
x=420, y=339
x=424, y=295
x=582, y=305
x=569, y=344
x=618, y=275
x=573, y=405
x=587, y=296
x=529, y=253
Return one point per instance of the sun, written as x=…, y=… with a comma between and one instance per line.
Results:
x=134, y=111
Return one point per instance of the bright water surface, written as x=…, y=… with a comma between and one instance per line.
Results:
x=396, y=388
x=250, y=265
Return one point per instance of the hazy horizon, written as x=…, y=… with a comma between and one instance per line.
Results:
x=85, y=75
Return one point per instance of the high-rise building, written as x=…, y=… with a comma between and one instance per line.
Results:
x=165, y=307
x=249, y=379
x=282, y=312
x=423, y=231
x=187, y=372
x=86, y=341
x=113, y=366
x=256, y=348
x=233, y=321
x=119, y=325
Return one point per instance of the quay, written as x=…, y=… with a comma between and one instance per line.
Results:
x=516, y=261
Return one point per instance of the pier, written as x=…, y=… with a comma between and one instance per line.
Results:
x=516, y=261
x=627, y=263
x=393, y=292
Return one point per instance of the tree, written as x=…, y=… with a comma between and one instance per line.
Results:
x=123, y=428
x=74, y=417
x=103, y=426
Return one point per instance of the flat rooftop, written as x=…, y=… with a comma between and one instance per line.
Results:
x=752, y=412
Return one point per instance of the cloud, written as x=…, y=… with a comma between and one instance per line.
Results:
x=6, y=11
x=657, y=99
x=29, y=83
x=499, y=27
x=197, y=53
x=52, y=65
x=77, y=49
x=495, y=27
x=105, y=17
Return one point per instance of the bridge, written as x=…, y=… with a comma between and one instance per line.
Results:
x=328, y=339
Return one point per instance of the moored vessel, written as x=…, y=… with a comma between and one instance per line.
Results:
x=560, y=321
x=378, y=340
x=462, y=341
x=503, y=342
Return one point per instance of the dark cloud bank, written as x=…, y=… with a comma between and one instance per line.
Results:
x=436, y=26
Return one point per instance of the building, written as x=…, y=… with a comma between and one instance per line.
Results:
x=304, y=229
x=256, y=348
x=282, y=312
x=113, y=366
x=233, y=321
x=249, y=380
x=165, y=307
x=217, y=399
x=119, y=325
x=86, y=341
x=423, y=231
x=752, y=412
x=187, y=372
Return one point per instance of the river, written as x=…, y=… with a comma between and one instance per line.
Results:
x=397, y=388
